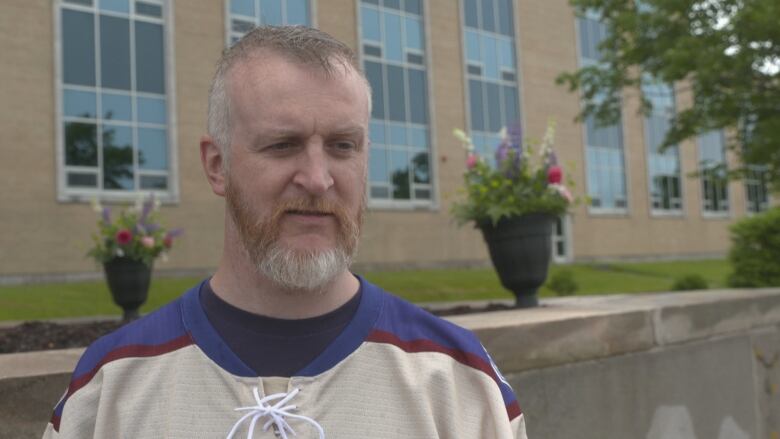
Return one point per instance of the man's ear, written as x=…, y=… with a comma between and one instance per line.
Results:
x=212, y=160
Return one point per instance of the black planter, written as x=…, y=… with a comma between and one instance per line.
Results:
x=128, y=279
x=520, y=249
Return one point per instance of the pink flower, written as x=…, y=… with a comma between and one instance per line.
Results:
x=147, y=241
x=564, y=192
x=554, y=175
x=123, y=237
x=471, y=161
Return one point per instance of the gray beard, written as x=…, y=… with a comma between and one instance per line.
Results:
x=303, y=270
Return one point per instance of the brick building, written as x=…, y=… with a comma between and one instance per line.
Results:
x=107, y=98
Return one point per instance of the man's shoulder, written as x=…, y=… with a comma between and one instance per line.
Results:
x=414, y=329
x=157, y=333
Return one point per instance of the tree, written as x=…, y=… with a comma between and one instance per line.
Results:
x=725, y=52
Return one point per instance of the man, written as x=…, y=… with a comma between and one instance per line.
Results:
x=283, y=339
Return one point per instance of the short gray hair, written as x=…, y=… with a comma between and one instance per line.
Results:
x=305, y=45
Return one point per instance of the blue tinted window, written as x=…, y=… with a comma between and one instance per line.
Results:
x=510, y=104
x=393, y=43
x=377, y=170
x=488, y=16
x=505, y=17
x=472, y=46
x=154, y=182
x=79, y=103
x=506, y=54
x=418, y=96
x=80, y=144
x=413, y=33
x=370, y=24
x=376, y=79
x=297, y=12
x=490, y=57
x=120, y=91
x=377, y=133
x=271, y=12
x=149, y=60
x=116, y=106
x=396, y=93
x=393, y=49
x=152, y=150
x=470, y=13
x=476, y=105
x=118, y=157
x=243, y=7
x=151, y=110
x=115, y=52
x=494, y=107
x=115, y=5
x=78, y=48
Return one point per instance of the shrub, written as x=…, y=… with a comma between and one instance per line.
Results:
x=563, y=283
x=755, y=250
x=690, y=282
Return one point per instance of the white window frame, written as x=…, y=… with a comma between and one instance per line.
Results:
x=431, y=204
x=66, y=194
x=748, y=182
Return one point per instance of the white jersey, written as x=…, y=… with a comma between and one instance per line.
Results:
x=395, y=371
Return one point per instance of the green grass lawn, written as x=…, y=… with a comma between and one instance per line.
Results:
x=41, y=301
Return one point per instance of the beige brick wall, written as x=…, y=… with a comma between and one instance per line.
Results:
x=38, y=234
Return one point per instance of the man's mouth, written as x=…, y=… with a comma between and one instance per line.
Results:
x=308, y=212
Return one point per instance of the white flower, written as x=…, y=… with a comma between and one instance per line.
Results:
x=120, y=252
x=466, y=140
x=96, y=206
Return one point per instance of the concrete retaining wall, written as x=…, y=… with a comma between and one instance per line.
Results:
x=699, y=365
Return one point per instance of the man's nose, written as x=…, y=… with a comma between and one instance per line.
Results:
x=313, y=173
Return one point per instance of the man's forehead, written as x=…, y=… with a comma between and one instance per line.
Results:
x=266, y=61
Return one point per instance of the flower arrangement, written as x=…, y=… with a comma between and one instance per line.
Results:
x=516, y=185
x=135, y=233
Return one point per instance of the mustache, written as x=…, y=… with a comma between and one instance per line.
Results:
x=308, y=205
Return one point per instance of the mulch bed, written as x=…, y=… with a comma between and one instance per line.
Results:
x=37, y=336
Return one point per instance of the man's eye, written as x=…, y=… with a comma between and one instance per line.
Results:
x=344, y=146
x=281, y=146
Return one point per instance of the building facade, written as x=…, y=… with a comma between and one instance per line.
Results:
x=107, y=99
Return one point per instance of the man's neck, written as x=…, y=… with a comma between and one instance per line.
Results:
x=239, y=284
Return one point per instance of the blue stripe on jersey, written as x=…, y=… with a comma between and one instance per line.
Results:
x=207, y=338
x=353, y=335
x=410, y=323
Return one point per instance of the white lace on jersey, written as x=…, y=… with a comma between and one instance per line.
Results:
x=276, y=415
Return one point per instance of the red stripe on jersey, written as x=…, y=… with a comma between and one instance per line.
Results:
x=466, y=358
x=128, y=351
x=513, y=410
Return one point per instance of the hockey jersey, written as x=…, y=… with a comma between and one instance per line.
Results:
x=395, y=371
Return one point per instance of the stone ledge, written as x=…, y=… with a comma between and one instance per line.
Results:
x=565, y=330
x=562, y=330
x=28, y=364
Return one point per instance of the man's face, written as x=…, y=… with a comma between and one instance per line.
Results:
x=297, y=174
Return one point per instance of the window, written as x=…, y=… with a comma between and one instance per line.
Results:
x=393, y=49
x=756, y=186
x=114, y=100
x=712, y=164
x=663, y=166
x=561, y=240
x=605, y=161
x=243, y=15
x=491, y=71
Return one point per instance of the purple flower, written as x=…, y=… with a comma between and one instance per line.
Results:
x=147, y=208
x=552, y=159
x=174, y=232
x=106, y=215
